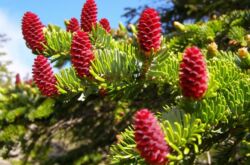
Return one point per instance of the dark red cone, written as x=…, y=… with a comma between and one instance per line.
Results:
x=149, y=30
x=105, y=24
x=81, y=53
x=44, y=77
x=149, y=138
x=18, y=79
x=32, y=29
x=89, y=15
x=193, y=74
x=73, y=25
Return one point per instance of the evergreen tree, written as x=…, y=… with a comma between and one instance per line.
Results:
x=136, y=97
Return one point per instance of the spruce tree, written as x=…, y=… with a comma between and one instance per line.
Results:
x=131, y=97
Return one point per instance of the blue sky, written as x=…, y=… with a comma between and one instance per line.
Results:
x=49, y=11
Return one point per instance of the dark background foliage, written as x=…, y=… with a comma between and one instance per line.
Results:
x=186, y=10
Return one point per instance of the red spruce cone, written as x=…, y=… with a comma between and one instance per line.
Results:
x=89, y=15
x=149, y=138
x=18, y=79
x=105, y=24
x=32, y=29
x=193, y=74
x=44, y=77
x=81, y=53
x=73, y=25
x=149, y=30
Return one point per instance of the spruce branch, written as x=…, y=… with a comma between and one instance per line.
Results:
x=164, y=68
x=115, y=65
x=58, y=42
x=101, y=39
x=237, y=34
x=201, y=98
x=67, y=81
x=124, y=151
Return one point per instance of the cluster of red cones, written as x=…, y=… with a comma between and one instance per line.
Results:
x=149, y=136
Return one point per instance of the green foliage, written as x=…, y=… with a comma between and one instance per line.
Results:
x=124, y=151
x=182, y=132
x=194, y=34
x=67, y=81
x=237, y=18
x=101, y=39
x=95, y=157
x=12, y=133
x=44, y=110
x=15, y=113
x=164, y=68
x=224, y=69
x=215, y=25
x=238, y=33
x=58, y=42
x=239, y=92
x=213, y=111
x=115, y=65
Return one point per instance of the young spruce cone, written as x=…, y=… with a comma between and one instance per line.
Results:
x=149, y=138
x=105, y=24
x=18, y=79
x=149, y=30
x=89, y=15
x=193, y=74
x=32, y=29
x=73, y=25
x=81, y=53
x=44, y=77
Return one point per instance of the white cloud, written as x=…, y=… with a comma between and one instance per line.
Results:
x=16, y=50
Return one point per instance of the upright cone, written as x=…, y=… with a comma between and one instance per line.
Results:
x=18, y=79
x=73, y=25
x=193, y=74
x=44, y=77
x=81, y=53
x=105, y=24
x=89, y=15
x=32, y=29
x=149, y=138
x=149, y=30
